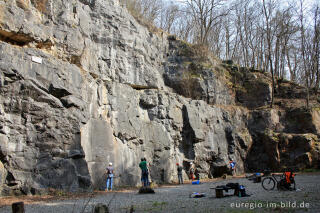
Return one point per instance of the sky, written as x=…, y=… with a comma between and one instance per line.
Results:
x=308, y=2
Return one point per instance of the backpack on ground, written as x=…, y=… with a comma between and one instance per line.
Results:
x=242, y=191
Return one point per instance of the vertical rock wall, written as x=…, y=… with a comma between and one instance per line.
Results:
x=83, y=84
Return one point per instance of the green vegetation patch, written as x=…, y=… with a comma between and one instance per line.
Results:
x=271, y=135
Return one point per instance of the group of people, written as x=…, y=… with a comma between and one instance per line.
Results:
x=145, y=173
x=192, y=174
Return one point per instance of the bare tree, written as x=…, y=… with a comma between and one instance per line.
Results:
x=169, y=15
x=292, y=61
x=205, y=14
x=147, y=9
x=151, y=9
x=265, y=34
x=315, y=46
x=303, y=51
x=268, y=10
x=284, y=32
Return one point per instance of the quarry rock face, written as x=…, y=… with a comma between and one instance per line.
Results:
x=284, y=139
x=2, y=175
x=83, y=84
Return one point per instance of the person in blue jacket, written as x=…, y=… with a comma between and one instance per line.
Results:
x=232, y=164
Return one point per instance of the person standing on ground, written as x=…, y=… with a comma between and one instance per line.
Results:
x=109, y=171
x=232, y=167
x=179, y=169
x=191, y=171
x=144, y=172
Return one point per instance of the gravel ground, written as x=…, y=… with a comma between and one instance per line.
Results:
x=176, y=199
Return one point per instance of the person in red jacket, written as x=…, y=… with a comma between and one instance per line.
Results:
x=191, y=171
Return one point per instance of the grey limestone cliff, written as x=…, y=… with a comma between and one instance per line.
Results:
x=83, y=84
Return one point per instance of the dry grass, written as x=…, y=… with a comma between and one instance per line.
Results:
x=23, y=4
x=282, y=103
x=201, y=51
x=41, y=5
x=134, y=10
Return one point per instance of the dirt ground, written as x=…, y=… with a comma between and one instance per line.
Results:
x=176, y=198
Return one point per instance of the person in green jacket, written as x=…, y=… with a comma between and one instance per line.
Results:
x=144, y=172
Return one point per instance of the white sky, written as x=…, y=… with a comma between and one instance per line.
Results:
x=307, y=2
